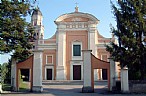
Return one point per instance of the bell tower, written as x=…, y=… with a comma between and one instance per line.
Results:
x=36, y=21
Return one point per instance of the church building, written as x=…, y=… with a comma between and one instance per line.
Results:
x=62, y=53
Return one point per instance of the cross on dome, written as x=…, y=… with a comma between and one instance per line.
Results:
x=36, y=3
x=76, y=8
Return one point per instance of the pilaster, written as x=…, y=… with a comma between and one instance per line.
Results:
x=61, y=55
x=92, y=40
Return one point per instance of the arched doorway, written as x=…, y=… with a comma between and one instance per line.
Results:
x=33, y=65
x=91, y=63
x=24, y=74
x=100, y=64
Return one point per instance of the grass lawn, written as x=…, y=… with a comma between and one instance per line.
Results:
x=6, y=87
x=24, y=86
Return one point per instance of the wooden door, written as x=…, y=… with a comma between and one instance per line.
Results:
x=49, y=74
x=76, y=72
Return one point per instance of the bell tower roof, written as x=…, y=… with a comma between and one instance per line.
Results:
x=37, y=11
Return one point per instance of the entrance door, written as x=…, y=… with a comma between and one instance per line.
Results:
x=104, y=74
x=76, y=72
x=49, y=74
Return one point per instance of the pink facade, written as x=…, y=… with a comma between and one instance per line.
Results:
x=62, y=53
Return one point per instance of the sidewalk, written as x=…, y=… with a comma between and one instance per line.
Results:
x=52, y=89
x=66, y=90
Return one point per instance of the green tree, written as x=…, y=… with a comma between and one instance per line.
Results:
x=131, y=27
x=4, y=71
x=0, y=72
x=15, y=32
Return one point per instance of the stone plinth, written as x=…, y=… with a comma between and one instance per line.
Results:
x=124, y=80
x=87, y=89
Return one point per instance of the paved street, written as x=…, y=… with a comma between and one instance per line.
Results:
x=71, y=90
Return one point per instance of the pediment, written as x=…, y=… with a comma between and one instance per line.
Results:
x=76, y=17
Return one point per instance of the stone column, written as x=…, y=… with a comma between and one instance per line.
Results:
x=112, y=74
x=124, y=80
x=37, y=71
x=61, y=56
x=13, y=74
x=87, y=68
x=92, y=39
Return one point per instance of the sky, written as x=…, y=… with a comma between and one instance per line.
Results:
x=52, y=9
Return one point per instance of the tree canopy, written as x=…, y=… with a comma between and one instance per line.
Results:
x=130, y=32
x=15, y=32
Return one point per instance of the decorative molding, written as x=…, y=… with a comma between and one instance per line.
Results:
x=77, y=14
x=76, y=19
x=43, y=47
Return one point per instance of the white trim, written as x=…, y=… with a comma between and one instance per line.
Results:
x=47, y=59
x=76, y=57
x=103, y=43
x=49, y=67
x=73, y=29
x=47, y=44
x=76, y=62
x=46, y=47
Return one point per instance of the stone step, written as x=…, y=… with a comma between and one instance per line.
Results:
x=62, y=82
x=70, y=82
